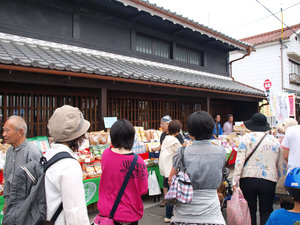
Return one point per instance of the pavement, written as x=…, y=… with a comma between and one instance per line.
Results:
x=154, y=214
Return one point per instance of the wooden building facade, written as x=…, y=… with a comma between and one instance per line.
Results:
x=123, y=58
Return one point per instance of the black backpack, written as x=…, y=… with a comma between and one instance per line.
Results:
x=27, y=198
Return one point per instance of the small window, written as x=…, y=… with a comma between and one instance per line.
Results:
x=294, y=67
x=152, y=46
x=189, y=56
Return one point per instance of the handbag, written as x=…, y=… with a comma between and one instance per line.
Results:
x=110, y=220
x=181, y=189
x=237, y=209
x=253, y=151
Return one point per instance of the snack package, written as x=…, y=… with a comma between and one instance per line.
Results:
x=41, y=142
x=97, y=166
x=157, y=134
x=151, y=134
x=4, y=147
x=152, y=145
x=98, y=138
x=138, y=134
x=142, y=132
x=89, y=168
x=148, y=135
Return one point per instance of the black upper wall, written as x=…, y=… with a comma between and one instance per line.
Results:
x=105, y=27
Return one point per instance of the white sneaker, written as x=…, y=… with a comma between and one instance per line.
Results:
x=167, y=220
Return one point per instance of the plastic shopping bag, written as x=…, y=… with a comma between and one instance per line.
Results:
x=153, y=185
x=238, y=212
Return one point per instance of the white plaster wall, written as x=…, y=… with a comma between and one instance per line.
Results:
x=292, y=46
x=265, y=63
x=262, y=64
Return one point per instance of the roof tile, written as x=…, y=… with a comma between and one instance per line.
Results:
x=271, y=36
x=42, y=54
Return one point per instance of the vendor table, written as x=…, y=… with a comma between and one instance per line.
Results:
x=91, y=186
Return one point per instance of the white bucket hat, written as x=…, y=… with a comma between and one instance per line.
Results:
x=67, y=123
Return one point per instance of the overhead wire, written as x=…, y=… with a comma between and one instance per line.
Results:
x=262, y=18
x=278, y=19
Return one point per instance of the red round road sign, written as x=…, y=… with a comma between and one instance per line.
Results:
x=267, y=84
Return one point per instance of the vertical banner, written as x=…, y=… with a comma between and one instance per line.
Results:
x=292, y=105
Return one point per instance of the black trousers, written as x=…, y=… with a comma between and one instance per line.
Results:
x=262, y=189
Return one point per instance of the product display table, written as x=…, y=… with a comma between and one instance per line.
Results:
x=91, y=186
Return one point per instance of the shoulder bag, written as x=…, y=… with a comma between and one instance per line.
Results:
x=181, y=189
x=110, y=220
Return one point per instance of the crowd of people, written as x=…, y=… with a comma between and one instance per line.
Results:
x=262, y=160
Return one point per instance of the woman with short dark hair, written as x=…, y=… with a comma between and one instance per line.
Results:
x=204, y=164
x=115, y=164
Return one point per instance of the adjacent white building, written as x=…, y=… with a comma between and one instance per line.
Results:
x=274, y=58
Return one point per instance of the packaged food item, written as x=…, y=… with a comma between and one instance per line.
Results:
x=152, y=145
x=85, y=156
x=89, y=168
x=142, y=132
x=41, y=142
x=138, y=134
x=97, y=166
x=157, y=134
x=4, y=147
x=148, y=135
x=98, y=138
x=84, y=175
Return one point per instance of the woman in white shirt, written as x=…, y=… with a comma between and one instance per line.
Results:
x=63, y=180
x=168, y=149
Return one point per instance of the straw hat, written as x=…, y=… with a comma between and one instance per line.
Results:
x=288, y=122
x=67, y=123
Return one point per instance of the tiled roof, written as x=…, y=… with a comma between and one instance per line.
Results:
x=166, y=14
x=271, y=36
x=28, y=52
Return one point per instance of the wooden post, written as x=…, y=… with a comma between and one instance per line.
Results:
x=208, y=104
x=103, y=107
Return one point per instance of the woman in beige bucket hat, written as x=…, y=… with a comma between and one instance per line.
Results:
x=63, y=180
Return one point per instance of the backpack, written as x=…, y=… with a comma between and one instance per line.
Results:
x=27, y=198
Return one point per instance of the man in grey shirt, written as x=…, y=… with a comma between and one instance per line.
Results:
x=21, y=152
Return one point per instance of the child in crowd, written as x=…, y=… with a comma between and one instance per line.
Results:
x=289, y=217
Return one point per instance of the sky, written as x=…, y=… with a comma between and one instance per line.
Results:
x=236, y=18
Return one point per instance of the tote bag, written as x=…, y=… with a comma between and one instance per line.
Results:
x=153, y=185
x=238, y=212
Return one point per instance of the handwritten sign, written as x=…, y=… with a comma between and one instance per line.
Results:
x=109, y=121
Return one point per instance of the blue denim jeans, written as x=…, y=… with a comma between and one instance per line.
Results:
x=169, y=208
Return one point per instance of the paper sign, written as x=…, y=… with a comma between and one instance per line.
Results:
x=109, y=121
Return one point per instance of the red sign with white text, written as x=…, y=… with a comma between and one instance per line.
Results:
x=267, y=84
